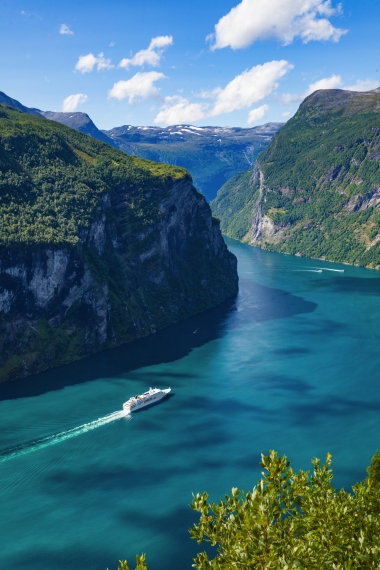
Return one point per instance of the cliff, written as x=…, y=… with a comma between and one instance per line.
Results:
x=97, y=248
x=315, y=190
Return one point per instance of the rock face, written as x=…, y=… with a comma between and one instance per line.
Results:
x=315, y=191
x=150, y=256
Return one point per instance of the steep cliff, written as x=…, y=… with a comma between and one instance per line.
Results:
x=315, y=190
x=96, y=248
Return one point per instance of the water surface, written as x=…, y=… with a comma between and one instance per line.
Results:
x=291, y=364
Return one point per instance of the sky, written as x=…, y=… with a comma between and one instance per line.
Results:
x=204, y=62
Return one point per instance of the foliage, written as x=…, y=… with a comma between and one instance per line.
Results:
x=319, y=175
x=291, y=520
x=52, y=178
x=374, y=472
x=140, y=563
x=234, y=204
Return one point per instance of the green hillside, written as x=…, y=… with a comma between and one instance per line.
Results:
x=51, y=177
x=316, y=188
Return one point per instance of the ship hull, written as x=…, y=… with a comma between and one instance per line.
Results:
x=150, y=402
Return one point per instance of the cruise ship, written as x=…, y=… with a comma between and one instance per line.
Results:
x=140, y=401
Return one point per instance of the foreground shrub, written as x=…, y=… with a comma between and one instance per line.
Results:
x=291, y=520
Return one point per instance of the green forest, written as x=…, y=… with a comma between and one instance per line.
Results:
x=52, y=177
x=319, y=176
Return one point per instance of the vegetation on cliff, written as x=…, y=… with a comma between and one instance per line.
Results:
x=51, y=178
x=97, y=247
x=291, y=520
x=317, y=186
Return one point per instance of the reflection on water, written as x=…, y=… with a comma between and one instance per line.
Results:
x=291, y=364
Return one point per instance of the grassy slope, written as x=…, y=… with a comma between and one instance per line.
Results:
x=327, y=155
x=51, y=177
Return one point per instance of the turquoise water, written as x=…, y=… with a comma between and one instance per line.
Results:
x=292, y=364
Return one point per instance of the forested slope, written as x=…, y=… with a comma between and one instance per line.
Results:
x=315, y=190
x=96, y=247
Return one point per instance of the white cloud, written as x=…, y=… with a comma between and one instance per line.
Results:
x=139, y=87
x=86, y=63
x=363, y=85
x=282, y=20
x=257, y=114
x=151, y=55
x=210, y=94
x=103, y=63
x=65, y=30
x=177, y=110
x=333, y=82
x=251, y=86
x=72, y=101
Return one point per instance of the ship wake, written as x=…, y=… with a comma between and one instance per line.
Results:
x=59, y=437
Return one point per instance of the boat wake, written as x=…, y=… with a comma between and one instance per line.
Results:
x=310, y=270
x=57, y=438
x=336, y=270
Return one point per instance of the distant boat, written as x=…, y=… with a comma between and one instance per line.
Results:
x=141, y=401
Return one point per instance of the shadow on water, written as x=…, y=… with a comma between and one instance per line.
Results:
x=254, y=303
x=369, y=286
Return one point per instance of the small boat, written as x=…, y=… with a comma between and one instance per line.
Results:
x=141, y=401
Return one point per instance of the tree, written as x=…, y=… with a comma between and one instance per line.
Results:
x=140, y=563
x=374, y=471
x=291, y=521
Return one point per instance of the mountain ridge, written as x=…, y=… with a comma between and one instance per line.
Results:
x=211, y=154
x=315, y=190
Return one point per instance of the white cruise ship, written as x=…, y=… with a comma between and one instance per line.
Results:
x=151, y=397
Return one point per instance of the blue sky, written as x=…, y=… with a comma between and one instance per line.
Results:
x=214, y=62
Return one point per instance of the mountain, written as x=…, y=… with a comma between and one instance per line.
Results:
x=97, y=248
x=211, y=154
x=315, y=190
x=5, y=100
x=80, y=122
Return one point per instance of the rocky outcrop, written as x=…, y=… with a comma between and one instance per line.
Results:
x=136, y=270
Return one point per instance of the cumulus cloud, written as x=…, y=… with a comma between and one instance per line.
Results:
x=333, y=82
x=177, y=110
x=72, y=101
x=363, y=85
x=244, y=90
x=86, y=63
x=65, y=30
x=253, y=20
x=139, y=87
x=151, y=56
x=257, y=114
x=251, y=86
